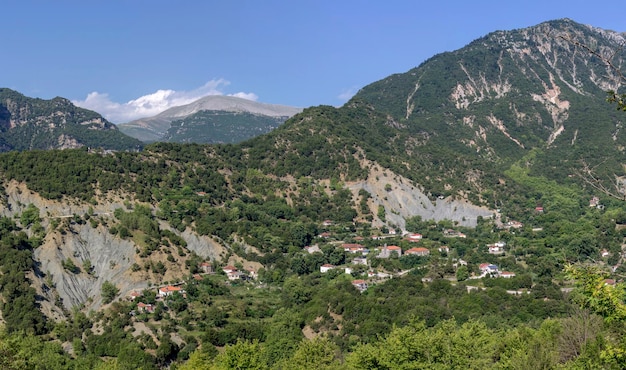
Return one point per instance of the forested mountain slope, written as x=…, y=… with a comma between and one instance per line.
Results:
x=510, y=94
x=29, y=124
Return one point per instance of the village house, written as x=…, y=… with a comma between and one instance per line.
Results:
x=418, y=252
x=359, y=261
x=169, y=290
x=514, y=225
x=604, y=253
x=451, y=233
x=232, y=273
x=229, y=268
x=326, y=267
x=361, y=285
x=394, y=249
x=235, y=275
x=324, y=235
x=206, y=267
x=444, y=249
x=392, y=232
x=145, y=307
x=507, y=274
x=488, y=269
x=327, y=223
x=312, y=249
x=353, y=248
x=388, y=251
x=414, y=237
x=496, y=248
x=594, y=202
x=134, y=294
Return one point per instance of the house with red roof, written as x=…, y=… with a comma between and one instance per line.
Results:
x=145, y=307
x=361, y=285
x=134, y=294
x=353, y=248
x=229, y=269
x=488, y=269
x=507, y=274
x=169, y=290
x=418, y=251
x=389, y=251
x=206, y=267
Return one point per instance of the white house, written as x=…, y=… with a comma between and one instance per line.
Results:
x=488, y=269
x=326, y=267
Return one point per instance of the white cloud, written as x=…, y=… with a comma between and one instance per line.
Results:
x=347, y=94
x=247, y=96
x=153, y=104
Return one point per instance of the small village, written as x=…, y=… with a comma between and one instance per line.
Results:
x=363, y=256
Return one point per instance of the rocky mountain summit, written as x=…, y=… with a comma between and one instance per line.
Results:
x=237, y=110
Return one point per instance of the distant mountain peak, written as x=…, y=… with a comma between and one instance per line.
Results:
x=156, y=128
x=230, y=104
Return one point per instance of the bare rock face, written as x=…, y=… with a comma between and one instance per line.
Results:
x=203, y=246
x=110, y=257
x=401, y=200
x=98, y=255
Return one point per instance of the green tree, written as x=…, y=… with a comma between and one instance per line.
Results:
x=318, y=353
x=241, y=355
x=109, y=292
x=462, y=273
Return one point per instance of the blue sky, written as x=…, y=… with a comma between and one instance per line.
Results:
x=132, y=58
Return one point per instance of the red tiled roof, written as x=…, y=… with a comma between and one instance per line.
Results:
x=417, y=250
x=170, y=288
